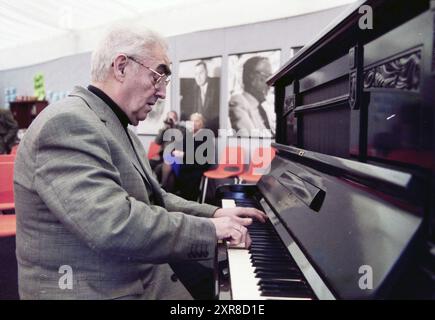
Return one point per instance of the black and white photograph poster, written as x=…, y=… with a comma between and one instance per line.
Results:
x=200, y=90
x=154, y=120
x=251, y=100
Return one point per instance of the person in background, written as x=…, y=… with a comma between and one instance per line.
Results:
x=92, y=222
x=190, y=174
x=165, y=171
x=245, y=109
x=8, y=131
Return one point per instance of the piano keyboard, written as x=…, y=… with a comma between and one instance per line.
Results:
x=266, y=270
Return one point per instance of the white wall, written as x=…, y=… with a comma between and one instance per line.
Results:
x=64, y=73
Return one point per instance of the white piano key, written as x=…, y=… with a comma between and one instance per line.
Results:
x=243, y=282
x=228, y=203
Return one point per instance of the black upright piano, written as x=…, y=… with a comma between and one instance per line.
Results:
x=350, y=193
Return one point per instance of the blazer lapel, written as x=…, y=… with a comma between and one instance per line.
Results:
x=112, y=122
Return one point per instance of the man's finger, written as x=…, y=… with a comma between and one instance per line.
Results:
x=236, y=237
x=243, y=221
x=244, y=233
x=254, y=213
x=248, y=241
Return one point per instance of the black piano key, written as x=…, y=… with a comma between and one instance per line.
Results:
x=287, y=283
x=265, y=248
x=264, y=238
x=281, y=268
x=276, y=258
x=254, y=261
x=264, y=244
x=265, y=255
x=267, y=251
x=279, y=275
x=290, y=288
x=258, y=262
x=265, y=264
x=284, y=294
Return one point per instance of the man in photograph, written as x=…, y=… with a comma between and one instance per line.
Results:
x=245, y=109
x=205, y=98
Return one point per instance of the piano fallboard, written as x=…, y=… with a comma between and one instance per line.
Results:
x=349, y=241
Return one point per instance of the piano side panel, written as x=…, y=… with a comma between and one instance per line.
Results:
x=397, y=67
x=355, y=227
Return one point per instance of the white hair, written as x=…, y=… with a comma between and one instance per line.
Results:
x=198, y=116
x=130, y=39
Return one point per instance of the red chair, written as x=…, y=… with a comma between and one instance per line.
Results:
x=260, y=162
x=7, y=158
x=7, y=201
x=14, y=149
x=8, y=260
x=230, y=165
x=8, y=225
x=154, y=150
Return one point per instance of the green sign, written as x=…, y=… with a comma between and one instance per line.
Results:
x=39, y=87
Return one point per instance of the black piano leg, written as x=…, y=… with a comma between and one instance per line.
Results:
x=198, y=277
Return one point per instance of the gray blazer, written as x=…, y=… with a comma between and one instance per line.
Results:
x=86, y=202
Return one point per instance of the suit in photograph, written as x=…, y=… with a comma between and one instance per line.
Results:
x=206, y=104
x=247, y=114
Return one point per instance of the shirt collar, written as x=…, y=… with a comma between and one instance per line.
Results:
x=122, y=117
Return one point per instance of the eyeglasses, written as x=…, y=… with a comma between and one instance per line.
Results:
x=160, y=79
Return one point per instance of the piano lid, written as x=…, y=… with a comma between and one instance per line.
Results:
x=344, y=30
x=354, y=235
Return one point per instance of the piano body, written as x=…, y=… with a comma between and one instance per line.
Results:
x=350, y=194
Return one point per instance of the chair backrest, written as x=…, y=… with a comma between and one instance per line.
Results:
x=7, y=158
x=153, y=150
x=232, y=156
x=8, y=225
x=261, y=159
x=6, y=182
x=14, y=149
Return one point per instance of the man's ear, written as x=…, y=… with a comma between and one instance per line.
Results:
x=119, y=66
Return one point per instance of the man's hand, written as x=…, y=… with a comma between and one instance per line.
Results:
x=232, y=228
x=241, y=212
x=230, y=224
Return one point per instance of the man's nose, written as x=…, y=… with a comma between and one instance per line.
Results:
x=161, y=92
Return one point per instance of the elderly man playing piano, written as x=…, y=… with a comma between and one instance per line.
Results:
x=92, y=222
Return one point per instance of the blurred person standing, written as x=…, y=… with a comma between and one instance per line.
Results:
x=8, y=131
